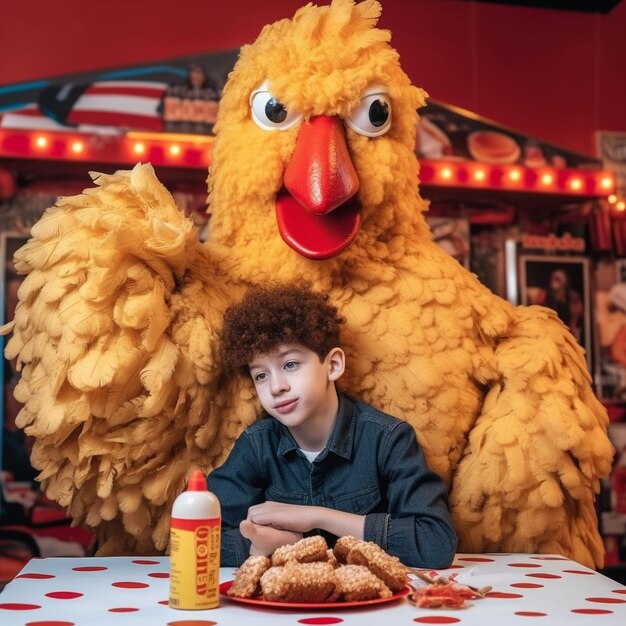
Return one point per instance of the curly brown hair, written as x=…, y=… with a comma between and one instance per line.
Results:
x=272, y=315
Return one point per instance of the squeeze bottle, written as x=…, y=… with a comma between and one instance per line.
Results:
x=195, y=547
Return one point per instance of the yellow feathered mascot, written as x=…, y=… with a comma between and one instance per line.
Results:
x=313, y=178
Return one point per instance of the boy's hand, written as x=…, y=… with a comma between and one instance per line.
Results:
x=265, y=539
x=292, y=517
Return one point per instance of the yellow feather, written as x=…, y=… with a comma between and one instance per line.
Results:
x=129, y=498
x=160, y=366
x=159, y=319
x=97, y=368
x=109, y=509
x=165, y=394
x=169, y=479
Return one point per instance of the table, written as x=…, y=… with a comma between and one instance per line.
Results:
x=133, y=591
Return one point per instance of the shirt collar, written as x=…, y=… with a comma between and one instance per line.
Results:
x=341, y=439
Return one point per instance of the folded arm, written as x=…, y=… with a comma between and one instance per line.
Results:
x=302, y=519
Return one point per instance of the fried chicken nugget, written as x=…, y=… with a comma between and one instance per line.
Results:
x=306, y=550
x=299, y=582
x=356, y=583
x=388, y=568
x=343, y=546
x=247, y=577
x=331, y=558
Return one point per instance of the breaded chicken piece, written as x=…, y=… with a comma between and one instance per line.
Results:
x=306, y=550
x=331, y=558
x=343, y=546
x=299, y=582
x=247, y=577
x=356, y=582
x=388, y=568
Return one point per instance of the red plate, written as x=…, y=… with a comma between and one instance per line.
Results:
x=224, y=587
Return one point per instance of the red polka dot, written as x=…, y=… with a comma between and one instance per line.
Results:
x=591, y=611
x=549, y=558
x=524, y=565
x=530, y=614
x=49, y=623
x=320, y=620
x=619, y=591
x=159, y=575
x=607, y=600
x=436, y=619
x=578, y=571
x=127, y=584
x=145, y=562
x=123, y=609
x=17, y=606
x=36, y=576
x=476, y=559
x=527, y=585
x=89, y=568
x=502, y=594
x=542, y=575
x=64, y=595
x=192, y=622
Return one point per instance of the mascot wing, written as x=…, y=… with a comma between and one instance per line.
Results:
x=104, y=359
x=528, y=480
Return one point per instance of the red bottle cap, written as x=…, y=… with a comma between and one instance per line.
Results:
x=197, y=481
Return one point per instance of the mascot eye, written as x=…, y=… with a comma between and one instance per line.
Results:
x=372, y=117
x=270, y=113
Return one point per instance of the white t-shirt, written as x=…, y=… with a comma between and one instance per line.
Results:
x=311, y=456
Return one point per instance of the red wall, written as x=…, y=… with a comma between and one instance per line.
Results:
x=556, y=75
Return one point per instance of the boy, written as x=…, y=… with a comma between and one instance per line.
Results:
x=319, y=463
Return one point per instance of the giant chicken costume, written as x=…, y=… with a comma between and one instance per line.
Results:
x=313, y=178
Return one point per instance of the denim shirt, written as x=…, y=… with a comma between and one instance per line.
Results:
x=371, y=466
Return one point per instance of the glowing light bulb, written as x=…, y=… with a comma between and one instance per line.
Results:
x=576, y=184
x=480, y=175
x=175, y=149
x=515, y=175
x=547, y=179
x=446, y=173
x=41, y=142
x=139, y=148
x=612, y=198
x=78, y=147
x=606, y=182
x=621, y=206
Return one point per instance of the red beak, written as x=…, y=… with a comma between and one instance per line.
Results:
x=317, y=212
x=320, y=174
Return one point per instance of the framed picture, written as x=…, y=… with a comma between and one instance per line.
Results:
x=610, y=326
x=562, y=284
x=452, y=234
x=487, y=259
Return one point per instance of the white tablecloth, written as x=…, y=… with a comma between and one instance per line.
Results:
x=132, y=591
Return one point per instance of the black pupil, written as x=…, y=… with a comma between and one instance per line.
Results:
x=379, y=112
x=275, y=111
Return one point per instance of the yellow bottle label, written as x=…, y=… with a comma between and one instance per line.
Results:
x=195, y=563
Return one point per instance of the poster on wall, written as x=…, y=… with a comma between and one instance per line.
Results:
x=487, y=258
x=179, y=95
x=562, y=284
x=452, y=234
x=448, y=132
x=610, y=317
